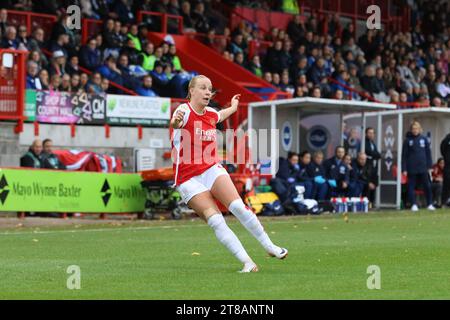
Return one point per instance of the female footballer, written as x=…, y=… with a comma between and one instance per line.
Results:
x=200, y=179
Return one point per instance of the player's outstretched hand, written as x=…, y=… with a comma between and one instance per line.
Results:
x=178, y=118
x=235, y=100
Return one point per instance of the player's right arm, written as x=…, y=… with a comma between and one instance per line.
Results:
x=179, y=118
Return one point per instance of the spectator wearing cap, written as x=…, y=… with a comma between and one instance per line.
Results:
x=58, y=63
x=9, y=41
x=146, y=88
x=90, y=56
x=33, y=81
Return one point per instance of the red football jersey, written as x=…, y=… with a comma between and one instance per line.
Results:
x=194, y=145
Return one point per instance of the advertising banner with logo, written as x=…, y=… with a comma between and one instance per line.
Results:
x=61, y=191
x=54, y=107
x=63, y=107
x=133, y=110
x=30, y=105
x=89, y=109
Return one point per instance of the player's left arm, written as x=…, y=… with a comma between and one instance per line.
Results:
x=225, y=113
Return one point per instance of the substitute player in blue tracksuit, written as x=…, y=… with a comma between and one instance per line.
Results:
x=416, y=161
x=303, y=177
x=337, y=173
x=316, y=170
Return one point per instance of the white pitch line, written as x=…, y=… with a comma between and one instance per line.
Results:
x=114, y=229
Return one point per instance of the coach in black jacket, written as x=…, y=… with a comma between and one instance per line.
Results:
x=416, y=161
x=371, y=149
x=445, y=151
x=363, y=178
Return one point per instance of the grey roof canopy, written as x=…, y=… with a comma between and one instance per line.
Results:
x=319, y=105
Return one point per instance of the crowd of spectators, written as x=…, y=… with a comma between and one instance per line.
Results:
x=121, y=53
x=402, y=67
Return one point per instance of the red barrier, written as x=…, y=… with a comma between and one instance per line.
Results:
x=90, y=27
x=164, y=20
x=32, y=21
x=12, y=86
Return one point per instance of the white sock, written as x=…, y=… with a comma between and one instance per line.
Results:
x=227, y=237
x=252, y=224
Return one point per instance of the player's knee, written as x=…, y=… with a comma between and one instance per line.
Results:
x=237, y=206
x=216, y=220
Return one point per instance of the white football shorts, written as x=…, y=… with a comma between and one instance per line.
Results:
x=200, y=183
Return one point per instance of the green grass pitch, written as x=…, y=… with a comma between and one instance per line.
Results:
x=328, y=259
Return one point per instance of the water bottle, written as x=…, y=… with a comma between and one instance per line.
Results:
x=366, y=204
x=344, y=204
x=354, y=202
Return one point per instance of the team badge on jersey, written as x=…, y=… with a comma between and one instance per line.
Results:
x=422, y=143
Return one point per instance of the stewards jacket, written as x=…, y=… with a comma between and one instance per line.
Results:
x=31, y=160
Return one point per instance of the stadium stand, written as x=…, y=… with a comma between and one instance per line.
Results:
x=405, y=63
